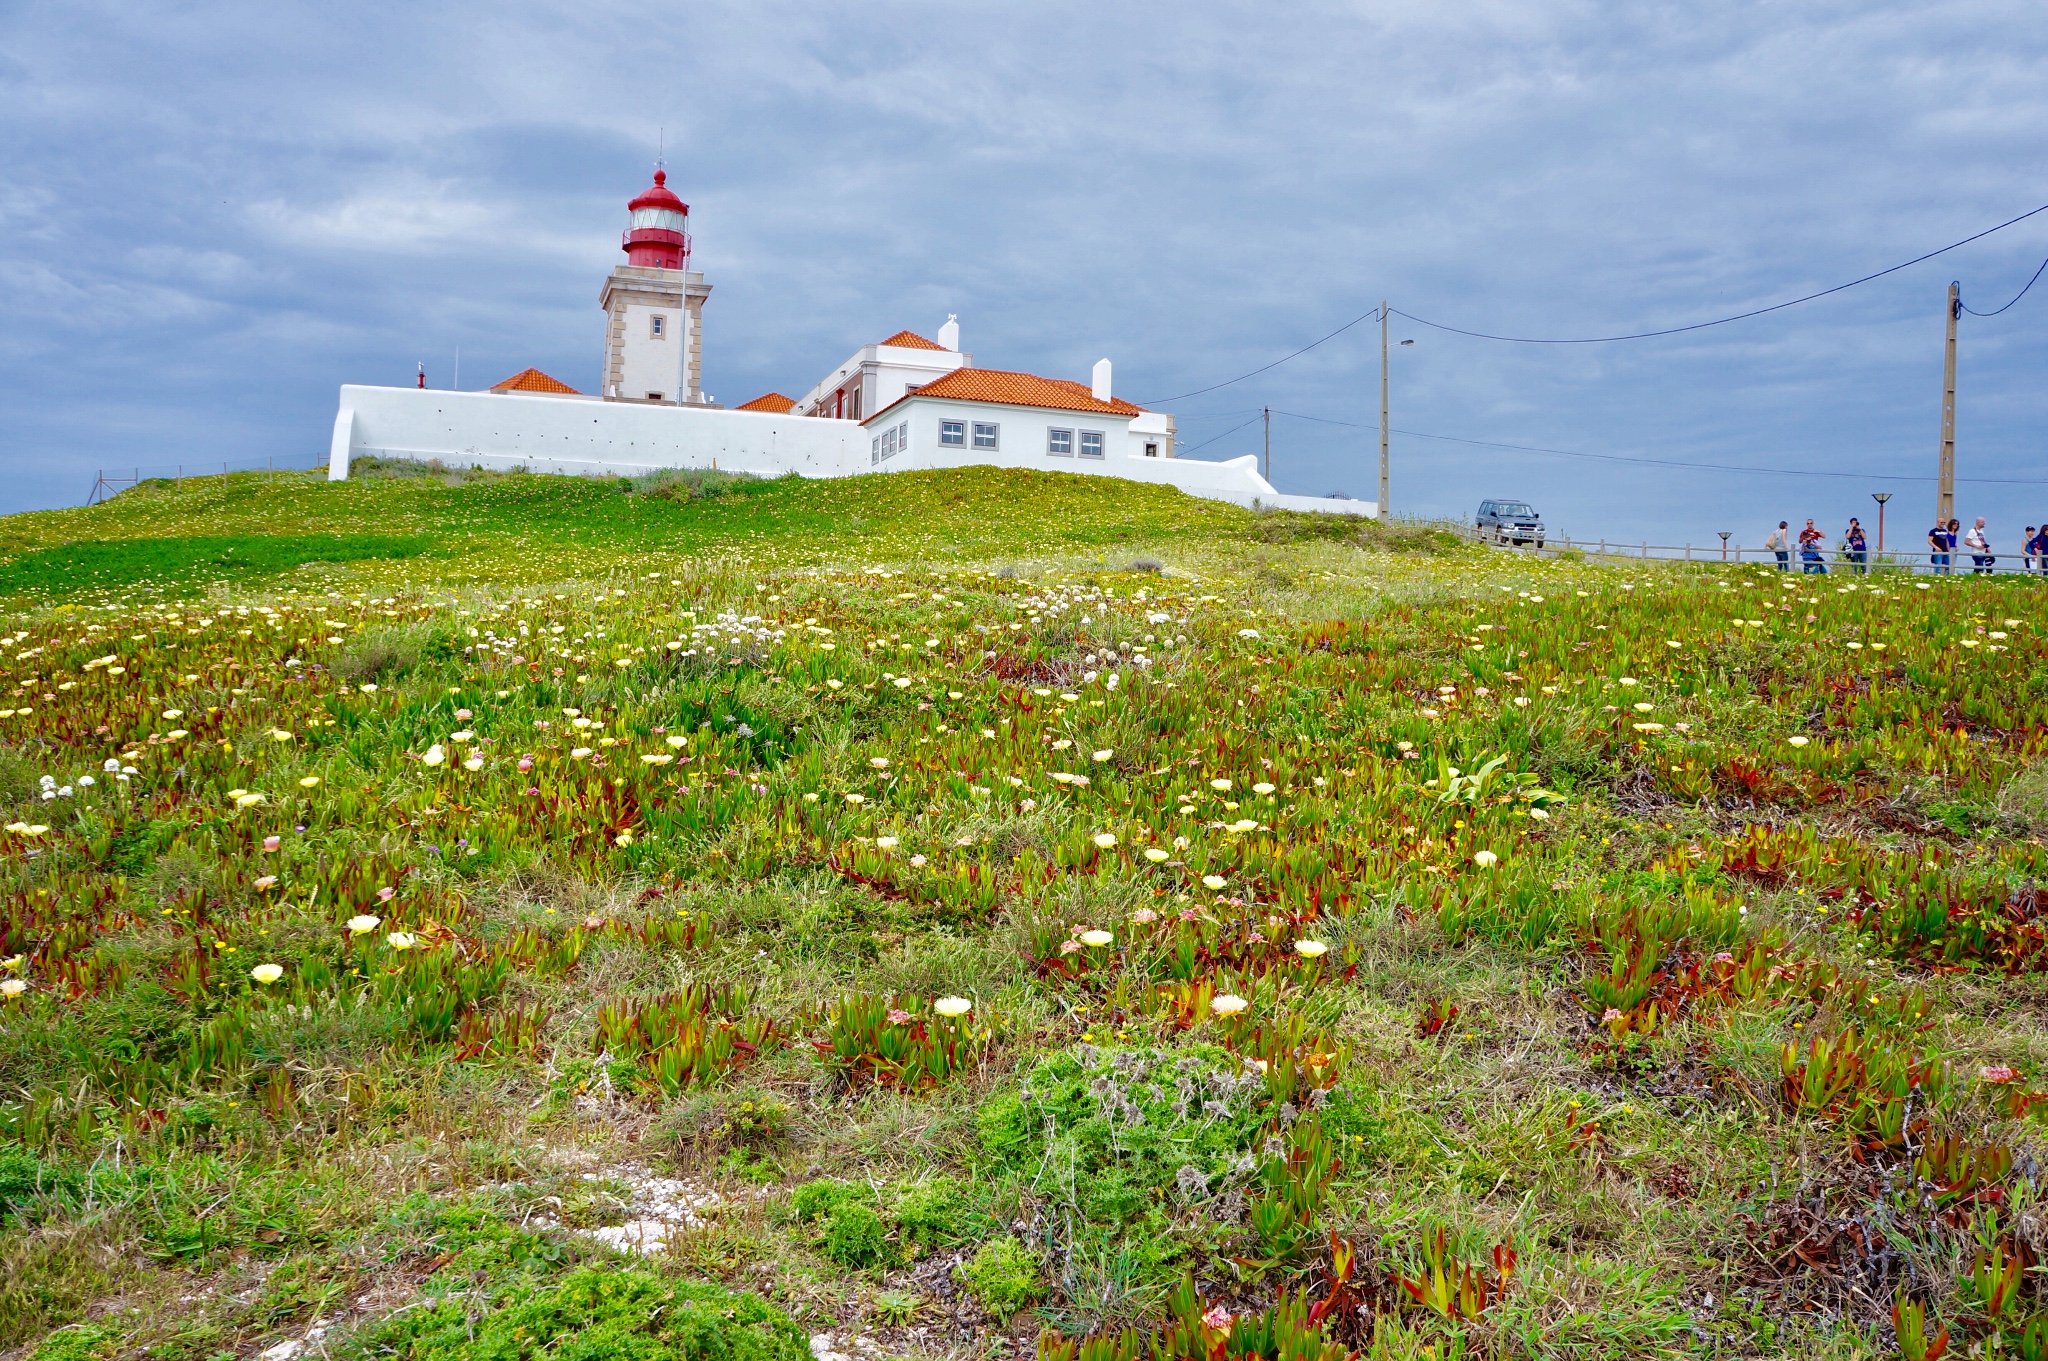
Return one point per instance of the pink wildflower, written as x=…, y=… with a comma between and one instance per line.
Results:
x=898, y=1017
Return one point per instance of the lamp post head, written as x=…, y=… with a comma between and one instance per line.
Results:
x=1880, y=496
x=1407, y=342
x=1724, y=533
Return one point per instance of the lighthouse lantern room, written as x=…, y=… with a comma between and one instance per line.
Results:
x=654, y=306
x=659, y=236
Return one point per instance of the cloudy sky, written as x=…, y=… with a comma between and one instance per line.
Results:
x=214, y=214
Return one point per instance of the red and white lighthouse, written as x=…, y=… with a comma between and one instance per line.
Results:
x=654, y=306
x=659, y=237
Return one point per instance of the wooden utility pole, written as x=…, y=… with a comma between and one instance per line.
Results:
x=1269, y=444
x=1945, y=498
x=1383, y=409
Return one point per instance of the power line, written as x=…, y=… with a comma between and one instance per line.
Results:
x=1161, y=401
x=1739, y=316
x=1225, y=435
x=2016, y=297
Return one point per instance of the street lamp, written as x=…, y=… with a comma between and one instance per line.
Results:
x=1724, y=533
x=1880, y=497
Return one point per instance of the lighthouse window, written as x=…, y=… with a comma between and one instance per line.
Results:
x=953, y=433
x=655, y=324
x=1059, y=443
x=985, y=434
x=1091, y=444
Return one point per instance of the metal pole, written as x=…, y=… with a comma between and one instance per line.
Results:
x=1880, y=497
x=1269, y=444
x=1945, y=503
x=1383, y=409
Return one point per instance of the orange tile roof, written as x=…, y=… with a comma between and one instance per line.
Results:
x=911, y=340
x=533, y=380
x=1018, y=389
x=768, y=401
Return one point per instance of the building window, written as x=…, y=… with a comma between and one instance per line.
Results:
x=1151, y=449
x=902, y=437
x=953, y=433
x=985, y=434
x=654, y=396
x=889, y=444
x=657, y=325
x=853, y=405
x=1091, y=444
x=875, y=454
x=1059, y=443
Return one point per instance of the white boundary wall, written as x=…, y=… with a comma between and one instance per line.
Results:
x=584, y=435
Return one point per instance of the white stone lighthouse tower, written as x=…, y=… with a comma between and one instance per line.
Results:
x=654, y=307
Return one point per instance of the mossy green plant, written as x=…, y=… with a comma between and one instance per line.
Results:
x=594, y=1314
x=1003, y=1275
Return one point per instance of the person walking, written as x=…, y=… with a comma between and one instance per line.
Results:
x=1811, y=562
x=1979, y=544
x=2038, y=546
x=1779, y=541
x=1937, y=549
x=1858, y=546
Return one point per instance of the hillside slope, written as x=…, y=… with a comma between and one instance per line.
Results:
x=970, y=913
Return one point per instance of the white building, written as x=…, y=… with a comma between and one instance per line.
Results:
x=901, y=403
x=1016, y=420
x=878, y=374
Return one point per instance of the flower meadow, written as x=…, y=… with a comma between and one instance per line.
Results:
x=721, y=918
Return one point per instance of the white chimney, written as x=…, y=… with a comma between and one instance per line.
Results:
x=1102, y=380
x=949, y=334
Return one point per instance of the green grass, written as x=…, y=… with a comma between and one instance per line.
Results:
x=1624, y=952
x=111, y=564
x=479, y=526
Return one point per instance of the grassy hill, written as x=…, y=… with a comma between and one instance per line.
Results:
x=979, y=913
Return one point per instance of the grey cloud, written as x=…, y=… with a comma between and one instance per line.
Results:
x=217, y=213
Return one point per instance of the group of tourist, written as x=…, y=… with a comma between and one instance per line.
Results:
x=1942, y=542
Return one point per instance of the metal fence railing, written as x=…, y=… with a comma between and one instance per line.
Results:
x=113, y=481
x=1834, y=559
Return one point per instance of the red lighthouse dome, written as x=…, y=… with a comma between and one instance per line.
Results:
x=659, y=237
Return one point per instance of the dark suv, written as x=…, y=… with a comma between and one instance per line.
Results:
x=1510, y=522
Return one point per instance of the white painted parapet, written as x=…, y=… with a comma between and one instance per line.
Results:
x=585, y=435
x=555, y=434
x=344, y=436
